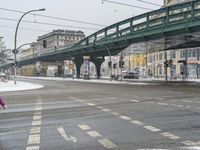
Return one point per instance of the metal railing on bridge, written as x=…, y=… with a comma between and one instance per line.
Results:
x=158, y=19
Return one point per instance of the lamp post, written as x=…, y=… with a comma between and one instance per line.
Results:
x=15, y=41
x=109, y=56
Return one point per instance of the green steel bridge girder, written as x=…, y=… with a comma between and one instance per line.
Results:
x=175, y=20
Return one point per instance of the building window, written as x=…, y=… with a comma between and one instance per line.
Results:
x=172, y=54
x=161, y=56
x=44, y=44
x=195, y=53
x=182, y=53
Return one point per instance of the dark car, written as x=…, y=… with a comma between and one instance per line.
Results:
x=131, y=75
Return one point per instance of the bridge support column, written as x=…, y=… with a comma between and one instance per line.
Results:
x=78, y=62
x=97, y=62
x=61, y=69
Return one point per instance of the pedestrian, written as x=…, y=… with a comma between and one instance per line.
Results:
x=2, y=103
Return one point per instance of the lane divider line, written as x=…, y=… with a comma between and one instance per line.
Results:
x=34, y=134
x=106, y=143
x=149, y=127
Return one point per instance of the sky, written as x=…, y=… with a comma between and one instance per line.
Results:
x=92, y=11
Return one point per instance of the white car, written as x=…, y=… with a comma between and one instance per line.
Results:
x=2, y=75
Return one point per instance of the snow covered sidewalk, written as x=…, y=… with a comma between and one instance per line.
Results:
x=10, y=86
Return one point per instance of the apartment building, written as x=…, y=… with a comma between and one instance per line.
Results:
x=58, y=38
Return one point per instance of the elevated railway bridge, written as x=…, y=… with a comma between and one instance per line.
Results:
x=171, y=27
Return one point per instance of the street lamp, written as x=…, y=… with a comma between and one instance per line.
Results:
x=94, y=42
x=15, y=42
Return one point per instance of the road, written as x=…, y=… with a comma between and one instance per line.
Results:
x=67, y=115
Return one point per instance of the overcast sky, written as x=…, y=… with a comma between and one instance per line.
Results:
x=83, y=10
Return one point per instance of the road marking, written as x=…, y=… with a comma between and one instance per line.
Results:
x=33, y=148
x=112, y=98
x=192, y=148
x=151, y=128
x=137, y=122
x=99, y=107
x=150, y=102
x=164, y=104
x=186, y=101
x=170, y=135
x=91, y=104
x=188, y=106
x=94, y=133
x=35, y=130
x=36, y=123
x=153, y=149
x=107, y=143
x=188, y=143
x=105, y=110
x=125, y=117
x=38, y=108
x=65, y=136
x=135, y=101
x=34, y=135
x=37, y=117
x=84, y=127
x=176, y=105
x=115, y=113
x=37, y=113
x=160, y=98
x=34, y=139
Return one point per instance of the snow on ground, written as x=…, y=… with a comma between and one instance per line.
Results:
x=10, y=86
x=88, y=80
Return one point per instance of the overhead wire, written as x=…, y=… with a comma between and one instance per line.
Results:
x=149, y=3
x=12, y=27
x=124, y=4
x=53, y=17
x=52, y=24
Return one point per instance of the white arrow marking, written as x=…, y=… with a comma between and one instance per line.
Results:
x=65, y=136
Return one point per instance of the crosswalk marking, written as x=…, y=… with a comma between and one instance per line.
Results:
x=94, y=133
x=135, y=101
x=33, y=148
x=151, y=128
x=84, y=127
x=137, y=122
x=125, y=117
x=91, y=104
x=105, y=110
x=170, y=135
x=34, y=139
x=107, y=143
x=35, y=130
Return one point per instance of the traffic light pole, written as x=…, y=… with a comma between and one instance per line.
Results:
x=166, y=66
x=121, y=64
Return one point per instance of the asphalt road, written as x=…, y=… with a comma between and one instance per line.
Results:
x=67, y=115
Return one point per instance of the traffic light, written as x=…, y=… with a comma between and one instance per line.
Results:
x=166, y=63
x=121, y=64
x=171, y=61
x=109, y=64
x=114, y=66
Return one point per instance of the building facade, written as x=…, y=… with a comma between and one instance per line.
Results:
x=172, y=2
x=185, y=62
x=58, y=38
x=53, y=41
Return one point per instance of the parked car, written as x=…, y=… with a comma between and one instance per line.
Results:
x=2, y=75
x=131, y=75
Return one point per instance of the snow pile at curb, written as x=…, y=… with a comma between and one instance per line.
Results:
x=10, y=86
